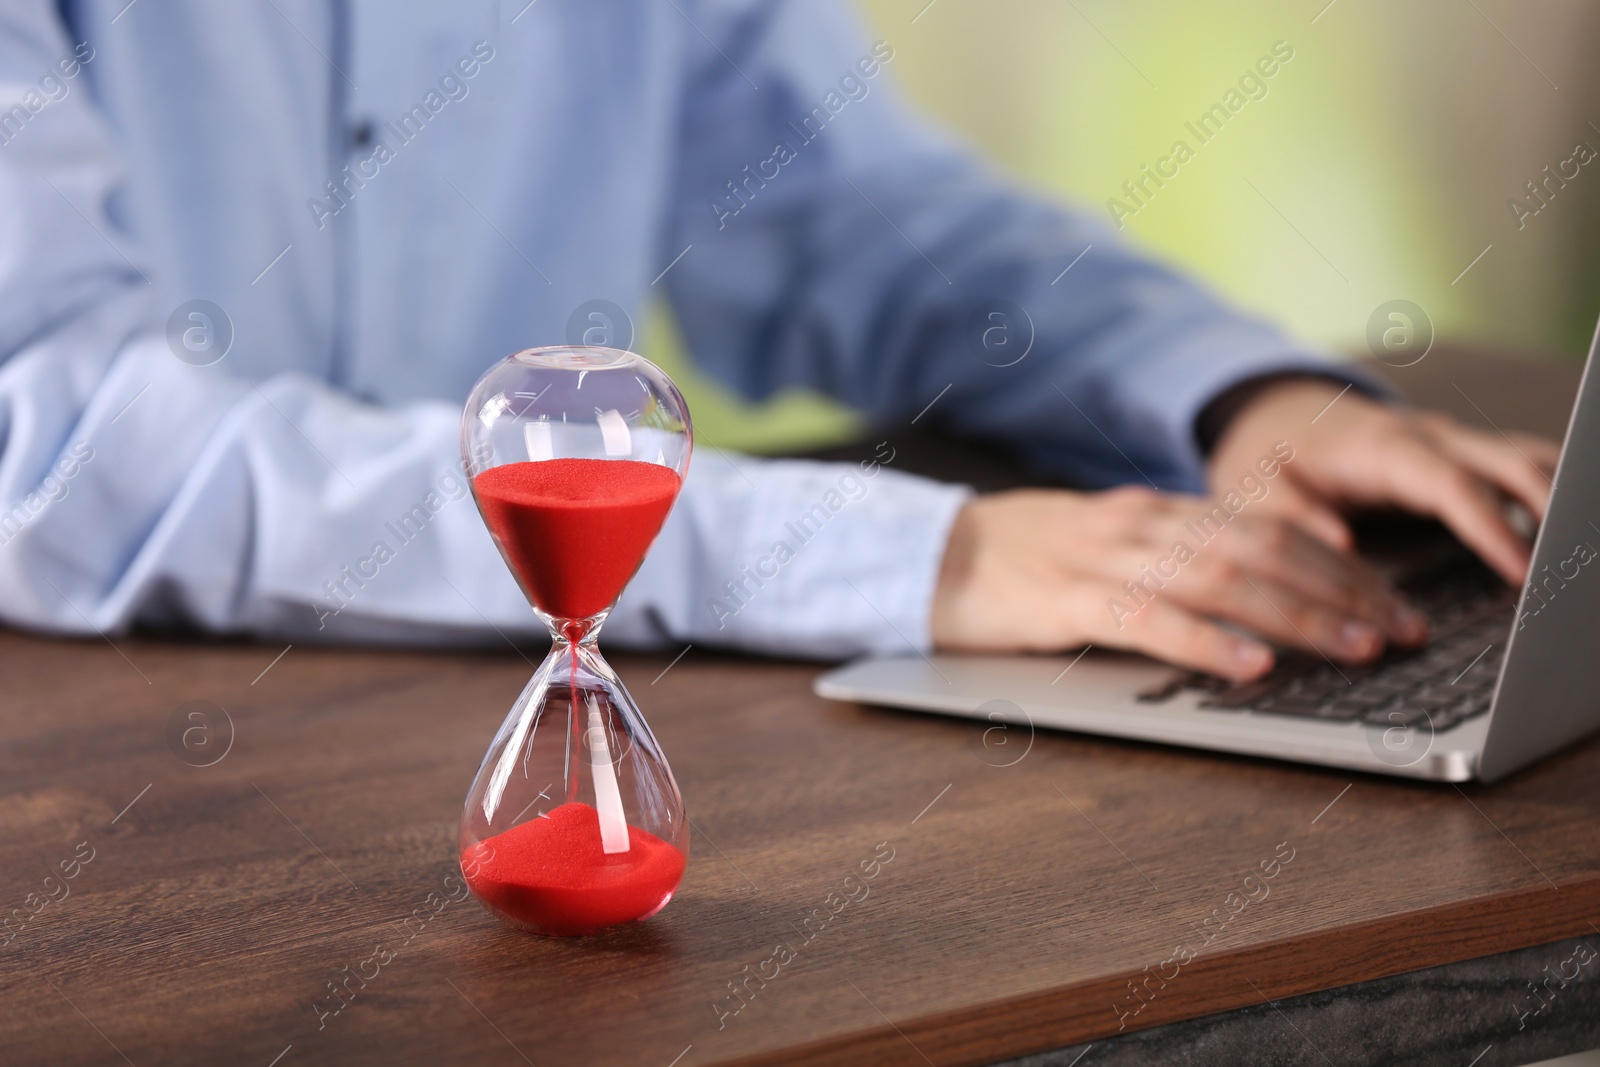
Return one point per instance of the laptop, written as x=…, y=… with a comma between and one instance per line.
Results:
x=1507, y=678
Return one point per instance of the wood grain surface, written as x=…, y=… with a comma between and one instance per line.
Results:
x=1031, y=879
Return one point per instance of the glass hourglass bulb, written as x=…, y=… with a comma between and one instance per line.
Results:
x=574, y=822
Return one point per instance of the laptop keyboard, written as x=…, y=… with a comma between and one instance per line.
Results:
x=1440, y=686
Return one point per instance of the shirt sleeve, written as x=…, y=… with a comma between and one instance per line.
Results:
x=139, y=486
x=836, y=241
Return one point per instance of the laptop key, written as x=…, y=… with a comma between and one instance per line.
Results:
x=1341, y=710
x=1362, y=700
x=1289, y=705
x=1239, y=696
x=1395, y=715
x=1414, y=668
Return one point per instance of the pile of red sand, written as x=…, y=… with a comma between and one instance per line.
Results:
x=550, y=875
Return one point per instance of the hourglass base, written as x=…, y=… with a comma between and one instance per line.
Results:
x=574, y=823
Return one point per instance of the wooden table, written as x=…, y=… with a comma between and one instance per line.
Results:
x=210, y=907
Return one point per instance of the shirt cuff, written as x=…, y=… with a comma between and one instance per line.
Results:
x=837, y=560
x=1219, y=412
x=1171, y=391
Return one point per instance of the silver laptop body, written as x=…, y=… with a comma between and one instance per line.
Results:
x=1544, y=696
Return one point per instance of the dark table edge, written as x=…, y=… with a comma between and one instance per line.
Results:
x=1220, y=982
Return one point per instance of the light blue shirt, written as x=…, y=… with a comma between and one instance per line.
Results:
x=383, y=197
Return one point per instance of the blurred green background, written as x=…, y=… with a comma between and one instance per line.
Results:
x=1379, y=164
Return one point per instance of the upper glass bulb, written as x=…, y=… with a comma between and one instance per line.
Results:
x=576, y=455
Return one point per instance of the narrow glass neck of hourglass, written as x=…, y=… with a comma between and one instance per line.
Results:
x=582, y=632
x=591, y=689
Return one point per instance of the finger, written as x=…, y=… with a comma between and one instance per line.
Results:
x=1154, y=520
x=1163, y=629
x=1545, y=453
x=1218, y=552
x=1498, y=460
x=1312, y=514
x=1335, y=591
x=1421, y=479
x=1341, y=582
x=1282, y=614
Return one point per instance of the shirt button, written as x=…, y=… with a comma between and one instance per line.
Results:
x=360, y=134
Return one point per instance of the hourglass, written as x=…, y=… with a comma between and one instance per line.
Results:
x=574, y=822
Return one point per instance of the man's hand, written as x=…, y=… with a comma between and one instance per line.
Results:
x=1045, y=570
x=1156, y=573
x=1359, y=453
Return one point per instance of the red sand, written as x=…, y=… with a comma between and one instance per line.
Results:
x=551, y=875
x=575, y=530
